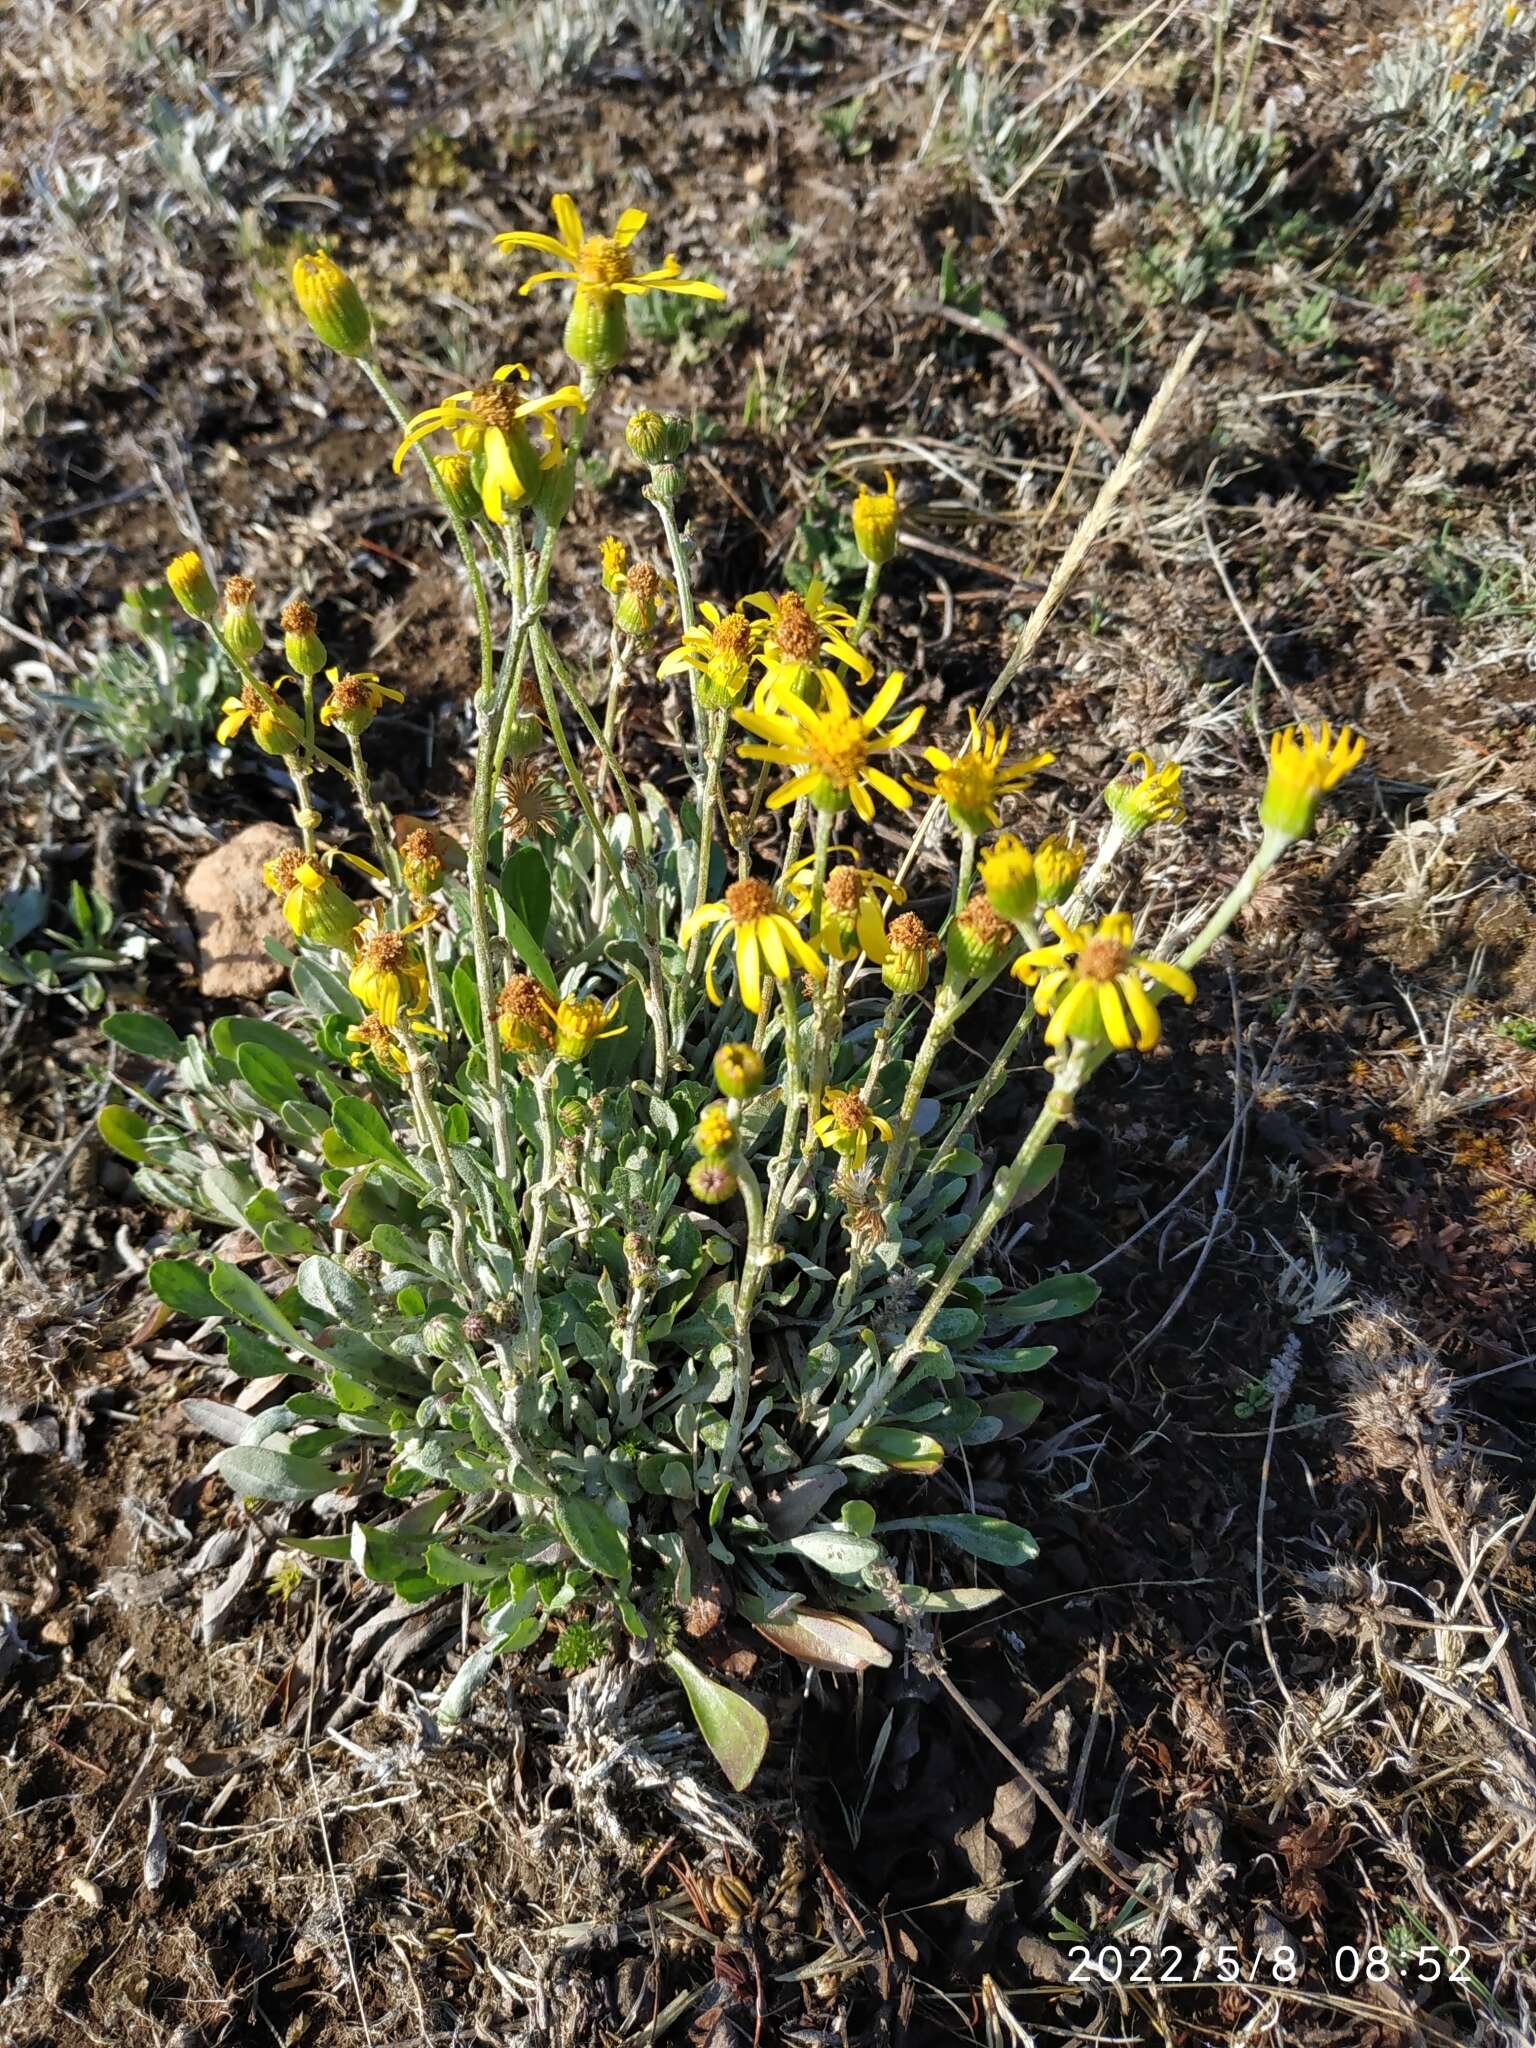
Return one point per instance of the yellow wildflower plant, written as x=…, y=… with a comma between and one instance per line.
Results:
x=852, y=912
x=602, y=269
x=374, y=1036
x=972, y=781
x=1154, y=798
x=803, y=630
x=874, y=523
x=717, y=654
x=600, y=263
x=714, y=1135
x=764, y=935
x=354, y=701
x=487, y=423
x=847, y=1124
x=275, y=729
x=830, y=745
x=314, y=905
x=192, y=586
x=1303, y=767
x=388, y=974
x=1091, y=987
x=579, y=1023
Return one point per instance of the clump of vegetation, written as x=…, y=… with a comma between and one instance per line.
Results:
x=1455, y=103
x=621, y=1271
x=152, y=699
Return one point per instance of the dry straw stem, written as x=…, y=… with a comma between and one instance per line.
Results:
x=1096, y=519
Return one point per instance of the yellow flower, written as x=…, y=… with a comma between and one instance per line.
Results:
x=580, y=1021
x=1008, y=877
x=852, y=921
x=805, y=629
x=971, y=781
x=874, y=523
x=718, y=655
x=277, y=731
x=388, y=975
x=715, y=1134
x=600, y=264
x=487, y=423
x=764, y=934
x=1302, y=768
x=1057, y=866
x=1154, y=799
x=354, y=701
x=831, y=746
x=846, y=1124
x=615, y=559
x=314, y=906
x=1091, y=984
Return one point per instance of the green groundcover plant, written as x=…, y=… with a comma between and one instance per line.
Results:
x=619, y=1263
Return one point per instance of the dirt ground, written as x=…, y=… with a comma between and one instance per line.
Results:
x=1267, y=1689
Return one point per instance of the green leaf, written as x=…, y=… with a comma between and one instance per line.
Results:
x=331, y=1289
x=1016, y=1410
x=904, y=1450
x=955, y=1325
x=124, y=1130
x=183, y=1286
x=257, y=1473
x=735, y=1730
x=528, y=949
x=322, y=993
x=150, y=1037
x=1013, y=1358
x=615, y=1059
x=1042, y=1171
x=988, y=1537
x=240, y=1294
x=268, y=1076
x=255, y=1359
x=829, y=1642
x=466, y=1000
x=590, y=1534
x=834, y=1550
x=361, y=1129
x=525, y=889
x=230, y=1033
x=1064, y=1294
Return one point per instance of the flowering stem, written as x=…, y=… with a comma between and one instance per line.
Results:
x=754, y=1266
x=948, y=1009
x=967, y=868
x=1058, y=1107
x=375, y=817
x=867, y=602
x=431, y=1127
x=533, y=1314
x=717, y=733
x=979, y=1096
x=1241, y=894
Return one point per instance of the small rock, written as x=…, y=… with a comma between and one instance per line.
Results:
x=235, y=913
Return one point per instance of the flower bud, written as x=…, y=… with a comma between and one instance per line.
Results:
x=646, y=435
x=874, y=523
x=455, y=474
x=332, y=305
x=639, y=1257
x=420, y=863
x=191, y=586
x=573, y=1116
x=363, y=1262
x=1008, y=876
x=302, y=645
x=475, y=1327
x=712, y=1181
x=739, y=1071
x=1057, y=867
x=666, y=484
x=677, y=435
x=596, y=330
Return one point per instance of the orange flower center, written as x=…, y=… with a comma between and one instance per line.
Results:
x=908, y=934
x=733, y=637
x=298, y=617
x=1102, y=959
x=748, y=901
x=851, y=1113
x=494, y=406
x=795, y=633
x=384, y=952
x=844, y=887
x=602, y=263
x=982, y=923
